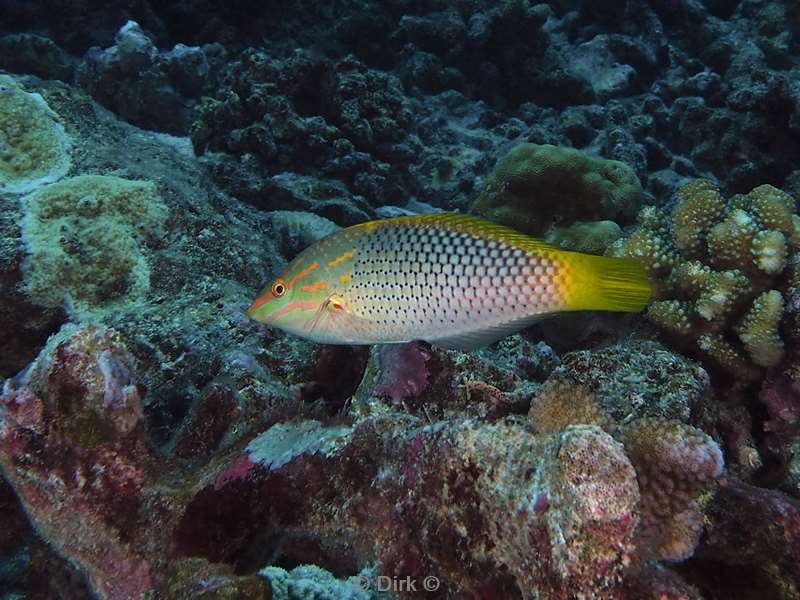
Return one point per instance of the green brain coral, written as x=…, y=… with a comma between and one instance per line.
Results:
x=535, y=186
x=33, y=146
x=716, y=264
x=85, y=238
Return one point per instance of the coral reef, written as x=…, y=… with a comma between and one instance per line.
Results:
x=716, y=263
x=527, y=188
x=345, y=120
x=176, y=449
x=34, y=149
x=455, y=484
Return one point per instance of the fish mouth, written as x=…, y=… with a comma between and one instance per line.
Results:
x=252, y=310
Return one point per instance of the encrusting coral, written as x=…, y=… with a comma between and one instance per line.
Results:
x=85, y=238
x=717, y=265
x=527, y=188
x=34, y=149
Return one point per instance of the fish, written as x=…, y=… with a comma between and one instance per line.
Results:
x=455, y=281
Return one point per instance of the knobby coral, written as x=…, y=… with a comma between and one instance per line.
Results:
x=529, y=185
x=717, y=264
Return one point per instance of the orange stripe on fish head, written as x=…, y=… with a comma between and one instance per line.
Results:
x=288, y=296
x=302, y=274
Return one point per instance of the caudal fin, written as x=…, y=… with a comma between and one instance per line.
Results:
x=606, y=283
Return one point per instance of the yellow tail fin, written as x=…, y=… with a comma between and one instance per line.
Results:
x=606, y=283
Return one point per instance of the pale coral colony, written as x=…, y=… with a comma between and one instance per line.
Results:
x=160, y=161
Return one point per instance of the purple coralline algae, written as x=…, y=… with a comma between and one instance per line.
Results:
x=556, y=511
x=72, y=446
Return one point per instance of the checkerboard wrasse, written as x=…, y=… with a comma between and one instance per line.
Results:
x=452, y=280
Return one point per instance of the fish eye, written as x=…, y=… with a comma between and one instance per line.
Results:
x=278, y=288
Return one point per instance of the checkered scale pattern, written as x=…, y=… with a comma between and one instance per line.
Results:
x=430, y=279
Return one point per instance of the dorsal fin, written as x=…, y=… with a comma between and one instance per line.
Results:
x=469, y=224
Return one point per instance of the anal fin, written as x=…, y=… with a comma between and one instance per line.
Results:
x=476, y=338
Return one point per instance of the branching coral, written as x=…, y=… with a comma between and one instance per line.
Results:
x=717, y=265
x=675, y=463
x=759, y=330
x=529, y=185
x=699, y=207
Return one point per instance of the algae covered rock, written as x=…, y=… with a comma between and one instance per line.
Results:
x=86, y=239
x=34, y=149
x=298, y=229
x=77, y=414
x=535, y=186
x=638, y=379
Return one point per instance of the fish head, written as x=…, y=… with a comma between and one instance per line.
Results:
x=297, y=300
